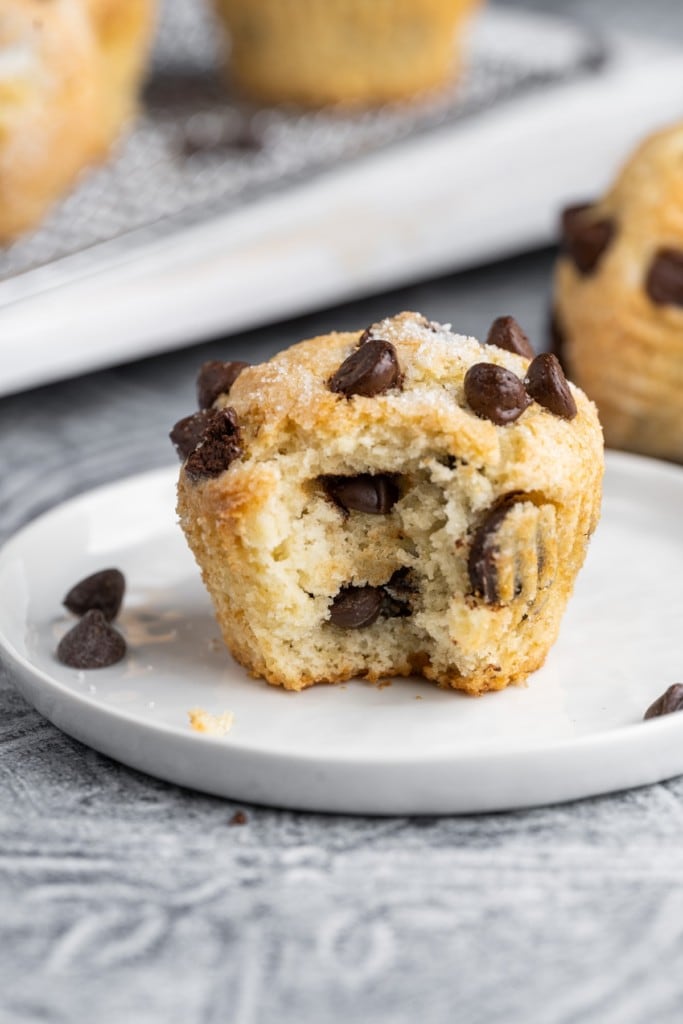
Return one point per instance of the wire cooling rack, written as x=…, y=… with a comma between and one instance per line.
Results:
x=197, y=150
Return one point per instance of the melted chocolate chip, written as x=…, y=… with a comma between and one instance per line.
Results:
x=375, y=495
x=102, y=591
x=187, y=432
x=482, y=563
x=92, y=643
x=356, y=607
x=399, y=593
x=671, y=700
x=547, y=385
x=664, y=282
x=585, y=240
x=507, y=334
x=370, y=370
x=219, y=445
x=495, y=393
x=216, y=378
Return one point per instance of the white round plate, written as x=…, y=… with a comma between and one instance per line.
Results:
x=575, y=730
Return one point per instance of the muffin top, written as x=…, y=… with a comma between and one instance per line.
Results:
x=444, y=396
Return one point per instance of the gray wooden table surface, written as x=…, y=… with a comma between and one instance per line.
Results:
x=126, y=899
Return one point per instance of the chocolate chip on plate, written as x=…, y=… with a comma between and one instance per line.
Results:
x=102, y=590
x=375, y=495
x=219, y=446
x=187, y=433
x=495, y=394
x=584, y=239
x=546, y=383
x=482, y=563
x=92, y=643
x=356, y=607
x=506, y=333
x=216, y=378
x=370, y=370
x=239, y=818
x=671, y=700
x=664, y=282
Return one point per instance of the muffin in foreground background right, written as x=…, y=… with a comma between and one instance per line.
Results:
x=618, y=308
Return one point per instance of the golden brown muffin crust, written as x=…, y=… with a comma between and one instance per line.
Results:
x=277, y=551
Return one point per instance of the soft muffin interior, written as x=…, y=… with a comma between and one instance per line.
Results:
x=315, y=548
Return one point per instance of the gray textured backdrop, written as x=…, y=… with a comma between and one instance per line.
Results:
x=122, y=898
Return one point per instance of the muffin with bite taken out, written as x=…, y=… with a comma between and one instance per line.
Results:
x=393, y=501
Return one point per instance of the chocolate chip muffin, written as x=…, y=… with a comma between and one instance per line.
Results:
x=347, y=52
x=69, y=73
x=123, y=29
x=618, y=318
x=49, y=102
x=396, y=501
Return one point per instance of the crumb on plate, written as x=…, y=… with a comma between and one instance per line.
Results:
x=212, y=725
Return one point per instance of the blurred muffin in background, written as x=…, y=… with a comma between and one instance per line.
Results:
x=618, y=319
x=50, y=101
x=124, y=30
x=69, y=73
x=348, y=52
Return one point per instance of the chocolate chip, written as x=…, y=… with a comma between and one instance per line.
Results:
x=366, y=335
x=572, y=217
x=664, y=283
x=671, y=700
x=356, y=607
x=556, y=333
x=219, y=445
x=547, y=385
x=92, y=643
x=102, y=591
x=187, y=432
x=239, y=818
x=399, y=594
x=375, y=495
x=370, y=370
x=585, y=240
x=495, y=393
x=482, y=563
x=207, y=135
x=216, y=378
x=507, y=334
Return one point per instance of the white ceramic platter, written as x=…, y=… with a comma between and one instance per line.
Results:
x=408, y=748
